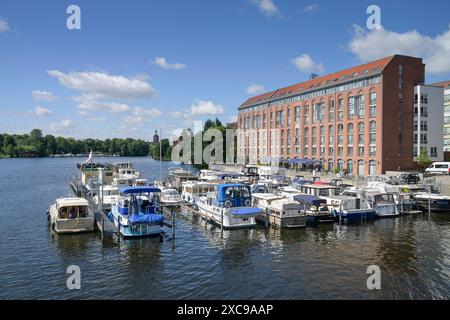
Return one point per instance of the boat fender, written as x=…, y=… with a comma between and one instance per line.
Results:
x=248, y=202
x=157, y=209
x=228, y=203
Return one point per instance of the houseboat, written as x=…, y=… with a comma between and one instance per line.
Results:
x=315, y=209
x=278, y=211
x=71, y=215
x=229, y=206
x=125, y=170
x=178, y=175
x=192, y=190
x=137, y=213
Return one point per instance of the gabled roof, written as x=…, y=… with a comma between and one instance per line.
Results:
x=443, y=84
x=361, y=71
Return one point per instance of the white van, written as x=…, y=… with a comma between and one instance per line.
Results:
x=439, y=167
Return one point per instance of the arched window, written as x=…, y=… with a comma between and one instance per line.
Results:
x=360, y=167
x=330, y=165
x=373, y=104
x=351, y=107
x=372, y=167
x=361, y=105
x=340, y=165
x=350, y=166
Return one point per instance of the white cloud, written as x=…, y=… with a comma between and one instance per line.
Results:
x=62, y=126
x=162, y=62
x=372, y=45
x=141, y=115
x=91, y=105
x=255, y=89
x=40, y=112
x=43, y=96
x=105, y=85
x=4, y=26
x=306, y=64
x=267, y=7
x=311, y=8
x=206, y=107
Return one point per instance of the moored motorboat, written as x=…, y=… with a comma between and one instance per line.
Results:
x=314, y=208
x=71, y=215
x=137, y=213
x=229, y=206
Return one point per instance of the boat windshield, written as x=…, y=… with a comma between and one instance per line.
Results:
x=237, y=192
x=73, y=212
x=384, y=198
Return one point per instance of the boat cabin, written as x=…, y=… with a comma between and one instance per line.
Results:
x=233, y=195
x=72, y=208
x=320, y=190
x=139, y=200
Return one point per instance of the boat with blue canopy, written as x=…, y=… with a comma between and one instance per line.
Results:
x=315, y=208
x=137, y=213
x=229, y=206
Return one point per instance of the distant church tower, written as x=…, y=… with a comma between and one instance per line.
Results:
x=156, y=137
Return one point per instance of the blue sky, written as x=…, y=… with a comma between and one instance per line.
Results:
x=106, y=80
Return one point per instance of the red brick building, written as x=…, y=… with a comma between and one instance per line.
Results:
x=359, y=120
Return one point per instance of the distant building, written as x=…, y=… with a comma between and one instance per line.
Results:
x=429, y=122
x=156, y=137
x=446, y=87
x=359, y=120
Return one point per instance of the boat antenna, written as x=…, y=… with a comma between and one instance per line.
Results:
x=160, y=154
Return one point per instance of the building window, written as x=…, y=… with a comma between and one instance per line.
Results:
x=350, y=166
x=361, y=151
x=340, y=151
x=322, y=135
x=331, y=111
x=331, y=135
x=330, y=165
x=313, y=135
x=360, y=167
x=351, y=107
x=340, y=109
x=271, y=120
x=340, y=165
x=264, y=120
x=331, y=151
x=361, y=106
x=373, y=150
x=306, y=137
x=340, y=134
x=322, y=111
x=350, y=133
x=433, y=152
x=361, y=133
x=282, y=141
x=297, y=114
x=350, y=151
x=373, y=104
x=372, y=167
x=307, y=115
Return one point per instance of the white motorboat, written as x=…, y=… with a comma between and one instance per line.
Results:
x=229, y=206
x=279, y=211
x=71, y=215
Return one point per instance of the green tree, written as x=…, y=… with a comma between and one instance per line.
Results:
x=423, y=160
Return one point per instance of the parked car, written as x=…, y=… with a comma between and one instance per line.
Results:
x=439, y=168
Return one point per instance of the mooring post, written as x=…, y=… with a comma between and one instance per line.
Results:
x=103, y=226
x=173, y=223
x=429, y=204
x=221, y=221
x=266, y=218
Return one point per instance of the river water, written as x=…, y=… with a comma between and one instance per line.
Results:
x=326, y=262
